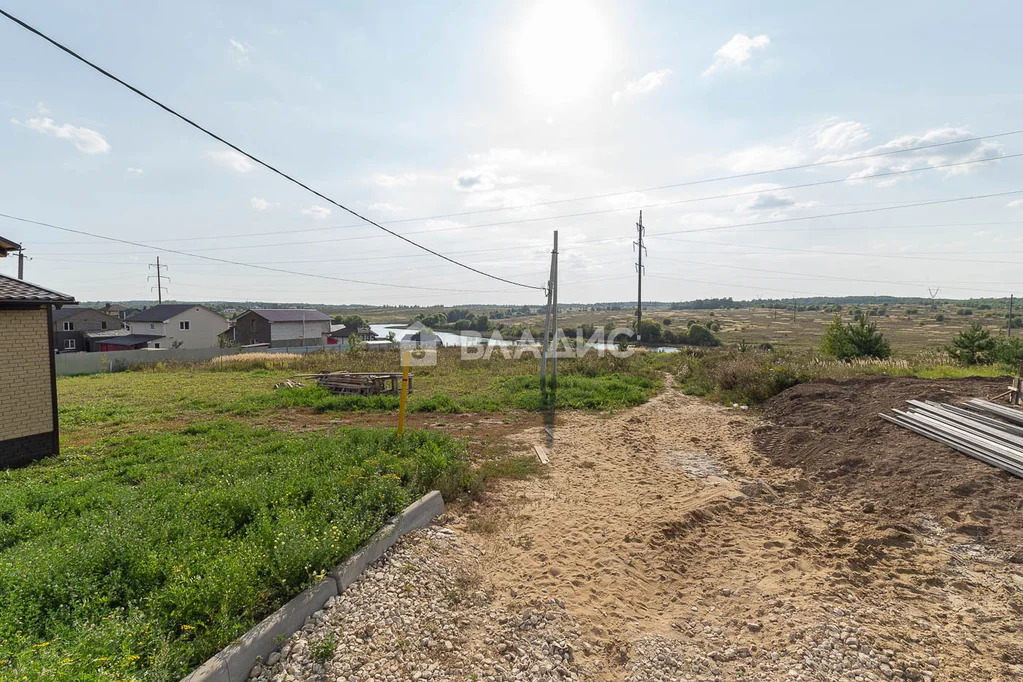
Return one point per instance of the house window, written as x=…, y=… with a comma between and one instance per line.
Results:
x=103, y=325
x=184, y=325
x=156, y=345
x=69, y=344
x=152, y=326
x=69, y=326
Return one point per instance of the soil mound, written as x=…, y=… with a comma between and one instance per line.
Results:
x=830, y=429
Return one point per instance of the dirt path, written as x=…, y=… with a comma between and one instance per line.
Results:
x=682, y=554
x=664, y=545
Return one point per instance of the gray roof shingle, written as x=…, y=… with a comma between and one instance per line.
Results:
x=290, y=314
x=162, y=312
x=18, y=291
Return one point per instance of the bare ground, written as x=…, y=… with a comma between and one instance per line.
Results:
x=682, y=540
x=665, y=529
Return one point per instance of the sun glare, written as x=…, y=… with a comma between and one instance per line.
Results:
x=561, y=49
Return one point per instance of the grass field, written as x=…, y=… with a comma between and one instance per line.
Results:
x=180, y=512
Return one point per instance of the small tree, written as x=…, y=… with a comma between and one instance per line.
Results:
x=973, y=346
x=860, y=340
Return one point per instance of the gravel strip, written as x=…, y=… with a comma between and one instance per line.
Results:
x=423, y=612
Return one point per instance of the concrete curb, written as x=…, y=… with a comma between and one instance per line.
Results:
x=234, y=662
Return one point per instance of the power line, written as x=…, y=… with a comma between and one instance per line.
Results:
x=816, y=276
x=518, y=221
x=247, y=265
x=251, y=157
x=933, y=202
x=850, y=253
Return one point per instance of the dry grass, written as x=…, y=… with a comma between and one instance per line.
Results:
x=244, y=361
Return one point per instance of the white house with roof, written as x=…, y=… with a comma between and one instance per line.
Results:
x=174, y=325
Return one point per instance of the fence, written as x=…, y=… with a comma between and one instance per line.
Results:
x=71, y=364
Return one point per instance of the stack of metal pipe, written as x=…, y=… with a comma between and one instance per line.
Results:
x=987, y=431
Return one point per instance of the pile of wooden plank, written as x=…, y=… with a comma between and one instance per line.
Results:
x=360, y=383
x=987, y=431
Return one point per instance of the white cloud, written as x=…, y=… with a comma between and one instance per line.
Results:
x=85, y=140
x=384, y=207
x=228, y=158
x=934, y=156
x=42, y=109
x=763, y=157
x=835, y=135
x=240, y=50
x=392, y=181
x=736, y=52
x=1015, y=204
x=135, y=171
x=261, y=204
x=317, y=212
x=767, y=200
x=644, y=85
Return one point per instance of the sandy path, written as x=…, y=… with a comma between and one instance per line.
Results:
x=669, y=539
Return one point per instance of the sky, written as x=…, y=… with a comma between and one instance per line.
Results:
x=477, y=129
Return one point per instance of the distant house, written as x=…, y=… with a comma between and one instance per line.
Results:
x=28, y=378
x=281, y=327
x=422, y=337
x=340, y=333
x=119, y=311
x=172, y=325
x=71, y=322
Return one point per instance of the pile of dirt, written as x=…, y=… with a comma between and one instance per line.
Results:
x=830, y=429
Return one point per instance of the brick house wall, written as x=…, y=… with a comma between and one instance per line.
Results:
x=28, y=414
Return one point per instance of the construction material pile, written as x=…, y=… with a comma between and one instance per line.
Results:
x=987, y=431
x=360, y=383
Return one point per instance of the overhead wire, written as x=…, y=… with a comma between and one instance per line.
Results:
x=256, y=159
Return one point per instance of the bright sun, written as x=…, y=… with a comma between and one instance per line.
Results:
x=561, y=49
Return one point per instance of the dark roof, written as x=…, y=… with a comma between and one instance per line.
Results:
x=290, y=314
x=344, y=331
x=7, y=245
x=18, y=291
x=162, y=312
x=69, y=310
x=128, y=339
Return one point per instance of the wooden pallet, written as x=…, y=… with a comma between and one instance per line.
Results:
x=361, y=383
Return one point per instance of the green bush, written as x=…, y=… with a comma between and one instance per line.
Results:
x=1009, y=350
x=939, y=318
x=860, y=340
x=973, y=346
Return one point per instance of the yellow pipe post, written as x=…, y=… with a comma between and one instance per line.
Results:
x=406, y=360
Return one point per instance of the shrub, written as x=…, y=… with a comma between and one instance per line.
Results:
x=862, y=340
x=1009, y=350
x=939, y=318
x=698, y=335
x=973, y=346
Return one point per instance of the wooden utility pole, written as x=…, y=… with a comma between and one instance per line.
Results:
x=545, y=343
x=159, y=279
x=1008, y=331
x=554, y=312
x=21, y=263
x=638, y=245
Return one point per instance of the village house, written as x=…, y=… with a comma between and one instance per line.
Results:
x=170, y=325
x=341, y=333
x=119, y=311
x=28, y=391
x=282, y=327
x=71, y=323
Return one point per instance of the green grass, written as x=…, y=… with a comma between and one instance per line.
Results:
x=139, y=556
x=751, y=378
